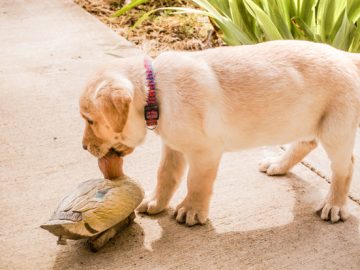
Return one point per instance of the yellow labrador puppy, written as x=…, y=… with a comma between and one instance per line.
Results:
x=227, y=99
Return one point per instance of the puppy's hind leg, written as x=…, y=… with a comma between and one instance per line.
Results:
x=339, y=148
x=293, y=155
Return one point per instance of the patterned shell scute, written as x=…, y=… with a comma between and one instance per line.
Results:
x=77, y=198
x=121, y=198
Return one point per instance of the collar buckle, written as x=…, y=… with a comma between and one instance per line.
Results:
x=151, y=114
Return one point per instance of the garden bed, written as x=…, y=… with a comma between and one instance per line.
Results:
x=161, y=31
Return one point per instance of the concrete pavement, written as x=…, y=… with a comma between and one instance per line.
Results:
x=48, y=49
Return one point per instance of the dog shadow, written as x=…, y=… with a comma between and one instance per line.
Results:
x=158, y=242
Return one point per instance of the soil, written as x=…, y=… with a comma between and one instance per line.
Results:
x=161, y=31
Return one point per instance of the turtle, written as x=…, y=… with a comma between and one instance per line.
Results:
x=96, y=209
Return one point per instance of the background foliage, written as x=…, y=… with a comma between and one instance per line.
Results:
x=336, y=22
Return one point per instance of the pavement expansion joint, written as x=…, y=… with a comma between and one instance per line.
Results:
x=323, y=176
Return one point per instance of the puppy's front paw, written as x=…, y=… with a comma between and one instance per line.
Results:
x=191, y=213
x=151, y=206
x=273, y=166
x=332, y=212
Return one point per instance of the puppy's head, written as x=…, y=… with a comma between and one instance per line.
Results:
x=106, y=106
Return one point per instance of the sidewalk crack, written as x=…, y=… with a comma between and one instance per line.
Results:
x=323, y=176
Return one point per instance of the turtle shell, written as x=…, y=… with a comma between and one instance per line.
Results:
x=94, y=206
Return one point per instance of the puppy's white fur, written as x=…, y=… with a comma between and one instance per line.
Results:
x=232, y=98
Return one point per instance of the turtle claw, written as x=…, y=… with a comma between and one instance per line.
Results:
x=61, y=240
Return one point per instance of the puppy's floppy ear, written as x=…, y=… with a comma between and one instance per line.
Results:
x=121, y=99
x=114, y=102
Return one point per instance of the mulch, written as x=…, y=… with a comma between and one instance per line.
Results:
x=160, y=32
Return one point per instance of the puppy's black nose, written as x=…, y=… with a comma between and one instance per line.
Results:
x=84, y=147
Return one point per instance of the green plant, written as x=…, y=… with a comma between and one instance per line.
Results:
x=128, y=7
x=336, y=22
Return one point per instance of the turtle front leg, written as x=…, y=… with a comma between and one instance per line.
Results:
x=61, y=240
x=96, y=242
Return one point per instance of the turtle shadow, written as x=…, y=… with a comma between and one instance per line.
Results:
x=302, y=243
x=77, y=255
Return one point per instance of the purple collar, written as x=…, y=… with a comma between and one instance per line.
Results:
x=151, y=109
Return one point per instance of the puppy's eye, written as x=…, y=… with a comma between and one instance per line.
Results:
x=90, y=122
